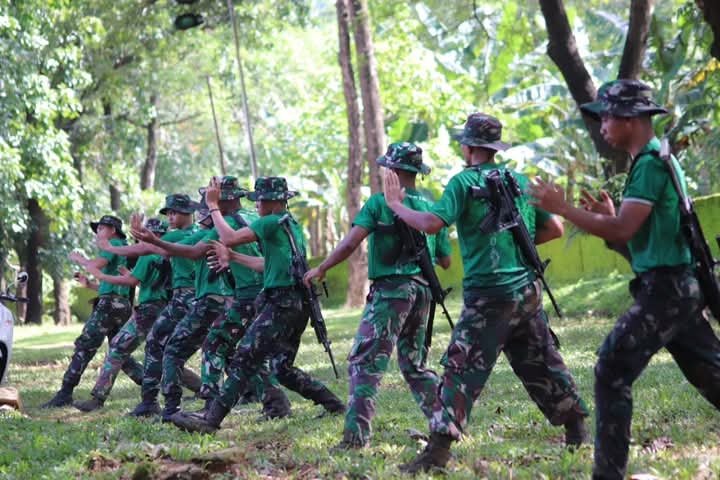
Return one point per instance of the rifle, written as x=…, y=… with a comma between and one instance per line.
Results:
x=414, y=246
x=504, y=215
x=692, y=231
x=298, y=269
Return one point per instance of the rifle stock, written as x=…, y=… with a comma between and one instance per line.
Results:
x=692, y=231
x=299, y=268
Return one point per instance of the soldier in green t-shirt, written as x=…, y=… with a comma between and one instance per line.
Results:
x=282, y=315
x=668, y=308
x=212, y=296
x=111, y=311
x=398, y=304
x=178, y=209
x=502, y=302
x=153, y=276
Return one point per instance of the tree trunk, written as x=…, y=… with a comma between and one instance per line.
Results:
x=636, y=39
x=711, y=13
x=562, y=50
x=61, y=294
x=373, y=122
x=114, y=198
x=357, y=262
x=147, y=176
x=36, y=241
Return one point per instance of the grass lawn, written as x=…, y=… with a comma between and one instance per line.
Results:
x=675, y=431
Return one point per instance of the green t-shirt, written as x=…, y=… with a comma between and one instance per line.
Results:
x=183, y=269
x=207, y=282
x=147, y=273
x=491, y=261
x=246, y=279
x=113, y=262
x=384, y=246
x=659, y=241
x=276, y=248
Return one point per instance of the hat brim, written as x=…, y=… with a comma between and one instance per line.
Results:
x=120, y=233
x=471, y=142
x=383, y=162
x=192, y=206
x=597, y=108
x=255, y=196
x=233, y=194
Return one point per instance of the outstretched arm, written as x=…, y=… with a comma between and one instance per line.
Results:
x=85, y=262
x=125, y=278
x=344, y=249
x=220, y=256
x=130, y=251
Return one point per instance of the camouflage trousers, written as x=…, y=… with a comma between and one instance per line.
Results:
x=122, y=345
x=517, y=326
x=667, y=312
x=185, y=340
x=109, y=314
x=274, y=335
x=157, y=339
x=396, y=313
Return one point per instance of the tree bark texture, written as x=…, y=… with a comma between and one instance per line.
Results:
x=147, y=176
x=61, y=294
x=36, y=240
x=373, y=121
x=636, y=38
x=562, y=50
x=357, y=263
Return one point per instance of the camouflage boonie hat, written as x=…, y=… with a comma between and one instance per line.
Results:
x=229, y=188
x=271, y=188
x=179, y=202
x=157, y=226
x=404, y=156
x=110, y=221
x=482, y=130
x=622, y=98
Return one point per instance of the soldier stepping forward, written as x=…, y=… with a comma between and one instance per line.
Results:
x=502, y=302
x=398, y=304
x=151, y=272
x=668, y=308
x=282, y=315
x=111, y=311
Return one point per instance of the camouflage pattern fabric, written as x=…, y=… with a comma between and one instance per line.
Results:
x=396, y=313
x=667, y=312
x=109, y=314
x=122, y=345
x=271, y=188
x=157, y=339
x=185, y=340
x=275, y=334
x=219, y=348
x=622, y=98
x=515, y=325
x=481, y=130
x=404, y=156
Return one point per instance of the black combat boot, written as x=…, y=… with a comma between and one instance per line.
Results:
x=275, y=404
x=349, y=442
x=172, y=406
x=146, y=408
x=208, y=423
x=576, y=433
x=435, y=455
x=62, y=398
x=90, y=405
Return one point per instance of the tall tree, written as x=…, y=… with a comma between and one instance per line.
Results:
x=373, y=122
x=562, y=49
x=357, y=263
